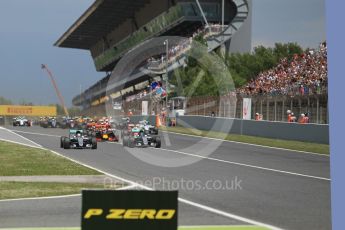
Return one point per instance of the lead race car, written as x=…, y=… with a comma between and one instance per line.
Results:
x=78, y=140
x=139, y=137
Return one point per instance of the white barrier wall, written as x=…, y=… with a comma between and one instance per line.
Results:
x=280, y=130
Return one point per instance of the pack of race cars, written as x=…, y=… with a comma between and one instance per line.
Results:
x=87, y=133
x=141, y=135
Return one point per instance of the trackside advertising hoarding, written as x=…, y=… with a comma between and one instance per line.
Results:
x=129, y=210
x=247, y=108
x=145, y=108
x=17, y=110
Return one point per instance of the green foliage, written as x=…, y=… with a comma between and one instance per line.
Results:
x=73, y=111
x=4, y=101
x=25, y=103
x=242, y=68
x=205, y=75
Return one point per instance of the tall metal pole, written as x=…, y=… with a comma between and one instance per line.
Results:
x=56, y=89
x=166, y=42
x=202, y=13
x=223, y=6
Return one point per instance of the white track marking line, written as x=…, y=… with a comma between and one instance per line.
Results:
x=215, y=226
x=38, y=134
x=40, y=198
x=191, y=203
x=56, y=197
x=19, y=143
x=210, y=138
x=240, y=164
x=23, y=137
x=180, y=227
x=246, y=165
x=223, y=161
x=226, y=214
x=127, y=187
x=243, y=143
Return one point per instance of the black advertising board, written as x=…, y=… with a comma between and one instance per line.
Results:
x=129, y=210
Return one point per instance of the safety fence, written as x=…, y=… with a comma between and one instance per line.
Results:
x=272, y=108
x=315, y=133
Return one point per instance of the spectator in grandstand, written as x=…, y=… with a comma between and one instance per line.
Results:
x=305, y=74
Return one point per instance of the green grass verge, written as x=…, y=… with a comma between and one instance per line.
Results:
x=293, y=145
x=11, y=190
x=17, y=160
x=244, y=227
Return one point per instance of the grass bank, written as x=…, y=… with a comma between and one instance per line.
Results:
x=11, y=190
x=286, y=144
x=239, y=227
x=18, y=160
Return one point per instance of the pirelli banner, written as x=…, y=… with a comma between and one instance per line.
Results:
x=34, y=111
x=129, y=210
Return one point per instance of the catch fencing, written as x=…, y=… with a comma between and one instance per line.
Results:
x=272, y=108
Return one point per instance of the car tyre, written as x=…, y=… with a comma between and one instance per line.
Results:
x=158, y=142
x=94, y=143
x=62, y=139
x=125, y=141
x=67, y=143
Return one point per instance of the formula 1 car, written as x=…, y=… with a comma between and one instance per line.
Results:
x=78, y=140
x=148, y=127
x=105, y=133
x=141, y=138
x=49, y=123
x=65, y=123
x=102, y=132
x=21, y=121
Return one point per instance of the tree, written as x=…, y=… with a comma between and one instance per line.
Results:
x=4, y=101
x=242, y=67
x=74, y=111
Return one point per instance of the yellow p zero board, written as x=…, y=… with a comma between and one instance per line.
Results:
x=14, y=110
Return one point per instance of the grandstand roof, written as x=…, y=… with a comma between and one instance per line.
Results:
x=98, y=20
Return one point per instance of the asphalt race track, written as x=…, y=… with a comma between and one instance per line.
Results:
x=286, y=189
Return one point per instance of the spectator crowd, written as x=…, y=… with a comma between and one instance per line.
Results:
x=305, y=74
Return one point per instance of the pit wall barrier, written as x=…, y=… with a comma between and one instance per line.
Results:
x=314, y=133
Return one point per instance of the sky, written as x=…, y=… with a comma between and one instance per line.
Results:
x=29, y=28
x=301, y=21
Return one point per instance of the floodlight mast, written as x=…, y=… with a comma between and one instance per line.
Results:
x=62, y=102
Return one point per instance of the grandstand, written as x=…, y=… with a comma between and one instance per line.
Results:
x=109, y=29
